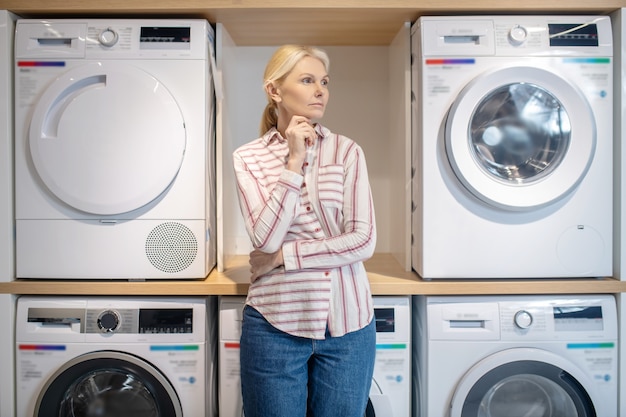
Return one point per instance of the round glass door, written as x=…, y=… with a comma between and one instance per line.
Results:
x=532, y=389
x=523, y=382
x=108, y=384
x=526, y=395
x=519, y=133
x=107, y=138
x=520, y=137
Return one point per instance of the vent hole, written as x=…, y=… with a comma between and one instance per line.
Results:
x=171, y=247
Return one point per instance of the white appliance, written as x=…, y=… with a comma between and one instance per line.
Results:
x=114, y=154
x=509, y=356
x=229, y=386
x=7, y=216
x=618, y=19
x=512, y=146
x=116, y=356
x=390, y=392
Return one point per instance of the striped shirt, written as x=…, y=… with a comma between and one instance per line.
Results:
x=323, y=219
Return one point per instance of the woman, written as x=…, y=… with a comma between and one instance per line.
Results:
x=308, y=339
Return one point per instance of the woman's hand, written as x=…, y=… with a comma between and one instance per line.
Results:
x=299, y=134
x=262, y=263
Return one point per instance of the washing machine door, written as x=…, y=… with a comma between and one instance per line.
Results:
x=107, y=138
x=520, y=138
x=378, y=403
x=523, y=382
x=108, y=384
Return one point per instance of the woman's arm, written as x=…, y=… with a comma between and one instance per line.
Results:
x=268, y=207
x=351, y=241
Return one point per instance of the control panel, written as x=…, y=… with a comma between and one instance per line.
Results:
x=112, y=320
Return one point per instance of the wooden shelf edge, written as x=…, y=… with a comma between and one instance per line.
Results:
x=500, y=287
x=386, y=276
x=114, y=6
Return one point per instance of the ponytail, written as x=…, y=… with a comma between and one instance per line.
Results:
x=269, y=118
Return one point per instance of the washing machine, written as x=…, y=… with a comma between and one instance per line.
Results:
x=114, y=149
x=229, y=386
x=512, y=146
x=390, y=392
x=509, y=356
x=116, y=356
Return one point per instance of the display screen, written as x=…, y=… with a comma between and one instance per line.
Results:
x=385, y=320
x=165, y=35
x=177, y=320
x=576, y=34
x=583, y=318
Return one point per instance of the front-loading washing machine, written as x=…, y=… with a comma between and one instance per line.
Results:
x=512, y=146
x=114, y=149
x=509, y=356
x=102, y=356
x=229, y=329
x=390, y=392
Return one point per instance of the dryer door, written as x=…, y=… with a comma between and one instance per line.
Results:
x=108, y=384
x=523, y=382
x=107, y=138
x=520, y=137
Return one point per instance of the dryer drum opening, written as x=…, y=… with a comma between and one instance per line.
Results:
x=108, y=384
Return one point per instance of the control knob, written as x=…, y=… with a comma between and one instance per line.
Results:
x=108, y=37
x=518, y=35
x=523, y=319
x=108, y=321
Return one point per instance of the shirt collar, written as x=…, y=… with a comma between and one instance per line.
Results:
x=274, y=135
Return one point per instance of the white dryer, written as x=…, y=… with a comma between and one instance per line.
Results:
x=390, y=392
x=510, y=356
x=114, y=152
x=7, y=216
x=116, y=356
x=512, y=146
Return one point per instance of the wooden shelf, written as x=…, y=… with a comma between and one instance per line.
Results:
x=385, y=274
x=320, y=22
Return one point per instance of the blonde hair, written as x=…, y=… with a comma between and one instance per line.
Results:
x=279, y=66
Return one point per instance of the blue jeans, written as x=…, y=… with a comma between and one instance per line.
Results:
x=287, y=376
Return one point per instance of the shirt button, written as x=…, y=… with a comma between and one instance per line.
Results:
x=306, y=164
x=303, y=184
x=308, y=208
x=326, y=273
x=317, y=229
